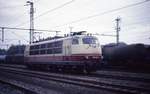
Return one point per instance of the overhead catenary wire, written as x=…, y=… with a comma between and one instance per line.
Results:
x=26, y=30
x=103, y=13
x=36, y=1
x=29, y=29
x=19, y=36
x=51, y=10
x=25, y=12
x=136, y=25
x=138, y=22
x=11, y=7
x=148, y=0
x=61, y=6
x=19, y=17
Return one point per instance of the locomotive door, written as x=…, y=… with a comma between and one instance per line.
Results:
x=67, y=47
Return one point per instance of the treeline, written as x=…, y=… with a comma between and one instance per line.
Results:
x=17, y=49
x=2, y=51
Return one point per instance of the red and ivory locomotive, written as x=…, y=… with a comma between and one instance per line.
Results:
x=76, y=52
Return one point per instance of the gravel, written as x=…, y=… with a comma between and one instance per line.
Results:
x=125, y=74
x=50, y=87
x=8, y=89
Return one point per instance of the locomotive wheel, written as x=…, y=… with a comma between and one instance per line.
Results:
x=86, y=70
x=30, y=67
x=54, y=68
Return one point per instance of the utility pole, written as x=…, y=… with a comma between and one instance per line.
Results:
x=2, y=34
x=31, y=21
x=57, y=33
x=19, y=42
x=70, y=29
x=117, y=30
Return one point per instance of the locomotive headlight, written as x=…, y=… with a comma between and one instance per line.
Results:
x=87, y=57
x=102, y=57
x=95, y=57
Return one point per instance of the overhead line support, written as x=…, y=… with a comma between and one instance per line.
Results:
x=2, y=34
x=117, y=30
x=31, y=21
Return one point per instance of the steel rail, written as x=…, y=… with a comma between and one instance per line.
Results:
x=78, y=81
x=27, y=91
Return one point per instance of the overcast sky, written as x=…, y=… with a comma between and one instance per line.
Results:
x=135, y=20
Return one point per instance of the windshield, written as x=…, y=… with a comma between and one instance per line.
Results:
x=75, y=41
x=89, y=40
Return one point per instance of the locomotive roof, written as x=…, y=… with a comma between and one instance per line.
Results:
x=58, y=39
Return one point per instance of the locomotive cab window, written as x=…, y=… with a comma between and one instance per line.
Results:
x=89, y=40
x=58, y=44
x=43, y=46
x=42, y=51
x=75, y=41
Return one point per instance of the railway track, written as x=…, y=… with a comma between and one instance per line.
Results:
x=122, y=76
x=90, y=81
x=23, y=89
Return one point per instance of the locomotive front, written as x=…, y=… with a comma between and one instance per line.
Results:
x=88, y=51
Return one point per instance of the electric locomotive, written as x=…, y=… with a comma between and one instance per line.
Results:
x=78, y=51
